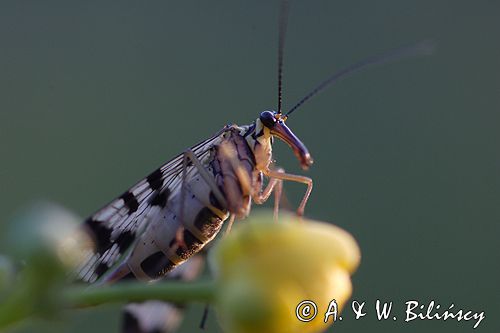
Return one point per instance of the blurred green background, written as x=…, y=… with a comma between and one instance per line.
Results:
x=95, y=95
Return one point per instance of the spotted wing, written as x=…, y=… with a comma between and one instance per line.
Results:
x=116, y=226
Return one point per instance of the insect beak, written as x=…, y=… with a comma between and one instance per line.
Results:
x=282, y=131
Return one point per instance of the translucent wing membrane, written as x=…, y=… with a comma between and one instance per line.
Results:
x=116, y=226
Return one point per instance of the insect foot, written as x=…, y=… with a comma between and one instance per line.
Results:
x=265, y=269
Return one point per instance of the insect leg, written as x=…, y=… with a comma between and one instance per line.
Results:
x=229, y=224
x=294, y=178
x=189, y=156
x=277, y=198
x=275, y=185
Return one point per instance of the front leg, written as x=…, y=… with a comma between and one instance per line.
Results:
x=276, y=174
x=275, y=185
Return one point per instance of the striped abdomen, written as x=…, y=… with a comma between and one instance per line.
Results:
x=157, y=252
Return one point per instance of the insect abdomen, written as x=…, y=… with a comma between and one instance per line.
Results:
x=158, y=252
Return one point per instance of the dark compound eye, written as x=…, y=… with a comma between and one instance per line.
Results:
x=267, y=118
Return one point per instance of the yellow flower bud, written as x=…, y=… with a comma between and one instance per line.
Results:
x=266, y=269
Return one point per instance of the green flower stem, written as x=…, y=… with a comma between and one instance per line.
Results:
x=181, y=292
x=14, y=309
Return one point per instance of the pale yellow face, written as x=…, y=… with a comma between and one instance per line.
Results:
x=262, y=147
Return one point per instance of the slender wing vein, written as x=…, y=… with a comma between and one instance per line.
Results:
x=116, y=226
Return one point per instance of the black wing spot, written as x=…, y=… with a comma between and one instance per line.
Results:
x=130, y=201
x=155, y=179
x=100, y=234
x=157, y=265
x=101, y=269
x=160, y=198
x=125, y=239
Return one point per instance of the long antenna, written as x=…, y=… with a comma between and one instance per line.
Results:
x=283, y=21
x=422, y=48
